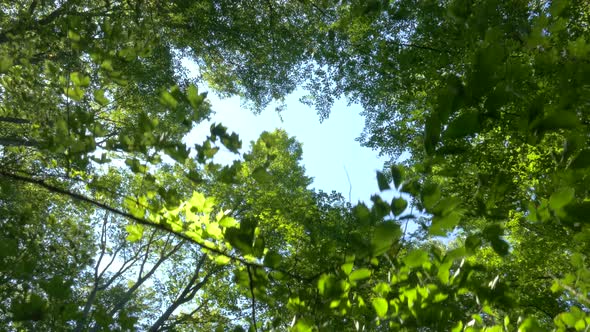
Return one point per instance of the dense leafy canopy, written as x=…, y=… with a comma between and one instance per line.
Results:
x=109, y=221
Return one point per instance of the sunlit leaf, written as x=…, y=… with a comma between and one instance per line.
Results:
x=380, y=305
x=347, y=268
x=360, y=274
x=222, y=260
x=134, y=232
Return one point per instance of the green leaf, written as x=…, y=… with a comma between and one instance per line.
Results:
x=135, y=232
x=577, y=260
x=441, y=225
x=33, y=308
x=430, y=195
x=380, y=208
x=100, y=98
x=398, y=206
x=529, y=325
x=382, y=181
x=272, y=259
x=192, y=94
x=107, y=65
x=360, y=274
x=380, y=304
x=412, y=187
x=446, y=206
x=431, y=133
x=302, y=325
x=217, y=130
x=227, y=221
x=79, y=79
x=232, y=142
x=473, y=242
x=347, y=268
x=464, y=125
x=75, y=93
x=384, y=236
x=222, y=260
x=329, y=286
x=5, y=64
x=168, y=100
x=581, y=325
x=397, y=173
x=135, y=165
x=500, y=246
x=458, y=327
x=557, y=7
x=416, y=258
x=73, y=35
x=214, y=231
x=260, y=174
x=241, y=239
x=582, y=160
x=362, y=213
x=57, y=287
x=439, y=297
x=561, y=198
x=558, y=120
x=382, y=288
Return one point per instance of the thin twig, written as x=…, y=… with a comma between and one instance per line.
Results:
x=145, y=222
x=253, y=299
x=349, y=184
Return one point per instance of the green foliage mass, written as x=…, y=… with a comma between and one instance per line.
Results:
x=110, y=222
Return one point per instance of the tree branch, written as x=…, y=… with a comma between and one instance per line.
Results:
x=14, y=120
x=160, y=226
x=253, y=299
x=10, y=141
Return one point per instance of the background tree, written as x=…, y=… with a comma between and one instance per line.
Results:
x=489, y=97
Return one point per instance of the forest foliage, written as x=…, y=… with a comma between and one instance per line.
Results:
x=110, y=222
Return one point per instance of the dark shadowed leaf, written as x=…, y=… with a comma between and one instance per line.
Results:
x=582, y=160
x=558, y=120
x=382, y=181
x=431, y=133
x=398, y=206
x=384, y=236
x=397, y=173
x=465, y=124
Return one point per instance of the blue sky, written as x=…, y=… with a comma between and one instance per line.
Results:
x=329, y=148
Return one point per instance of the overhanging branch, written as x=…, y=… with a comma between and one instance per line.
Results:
x=82, y=198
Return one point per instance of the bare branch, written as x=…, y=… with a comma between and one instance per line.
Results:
x=187, y=294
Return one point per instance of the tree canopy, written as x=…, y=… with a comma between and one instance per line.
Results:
x=110, y=222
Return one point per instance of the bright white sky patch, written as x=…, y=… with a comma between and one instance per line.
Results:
x=329, y=148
